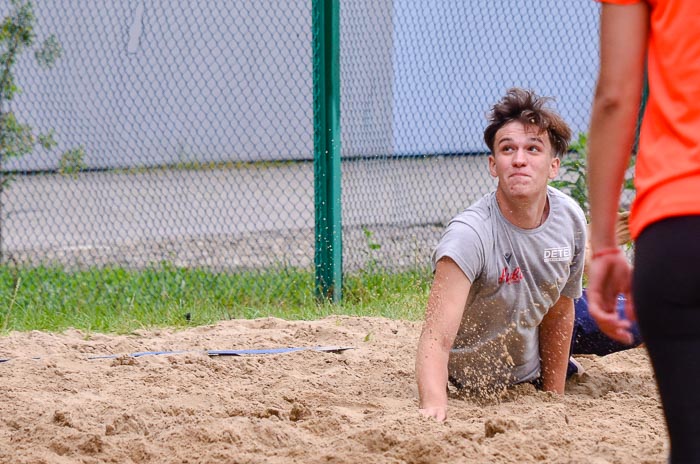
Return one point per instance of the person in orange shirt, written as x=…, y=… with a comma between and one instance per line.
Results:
x=663, y=289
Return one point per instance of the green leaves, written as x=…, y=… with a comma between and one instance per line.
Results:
x=16, y=139
x=18, y=27
x=16, y=33
x=369, y=237
x=372, y=246
x=575, y=176
x=49, y=51
x=72, y=162
x=8, y=88
x=47, y=140
x=575, y=182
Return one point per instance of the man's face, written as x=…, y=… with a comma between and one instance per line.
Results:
x=522, y=160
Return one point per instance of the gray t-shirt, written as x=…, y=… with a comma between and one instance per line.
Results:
x=516, y=276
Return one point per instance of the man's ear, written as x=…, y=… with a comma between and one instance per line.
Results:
x=554, y=167
x=492, y=166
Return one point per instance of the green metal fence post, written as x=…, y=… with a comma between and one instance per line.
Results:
x=326, y=75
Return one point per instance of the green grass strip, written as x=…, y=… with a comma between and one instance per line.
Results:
x=117, y=300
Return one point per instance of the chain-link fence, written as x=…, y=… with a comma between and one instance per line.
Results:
x=196, y=123
x=418, y=79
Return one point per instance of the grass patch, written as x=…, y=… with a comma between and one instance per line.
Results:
x=116, y=300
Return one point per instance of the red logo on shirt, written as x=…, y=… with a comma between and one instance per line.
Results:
x=510, y=277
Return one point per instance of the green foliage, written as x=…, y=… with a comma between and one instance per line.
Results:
x=49, y=52
x=47, y=141
x=372, y=246
x=16, y=34
x=16, y=138
x=120, y=300
x=575, y=182
x=72, y=162
x=369, y=237
x=575, y=167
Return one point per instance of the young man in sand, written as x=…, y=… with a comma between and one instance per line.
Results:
x=507, y=270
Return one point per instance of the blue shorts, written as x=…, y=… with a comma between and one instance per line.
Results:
x=587, y=337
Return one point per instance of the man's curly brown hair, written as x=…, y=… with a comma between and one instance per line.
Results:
x=529, y=109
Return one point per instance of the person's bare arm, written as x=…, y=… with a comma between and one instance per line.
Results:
x=555, y=341
x=448, y=296
x=624, y=30
x=623, y=38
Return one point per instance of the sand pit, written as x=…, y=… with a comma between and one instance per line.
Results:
x=314, y=407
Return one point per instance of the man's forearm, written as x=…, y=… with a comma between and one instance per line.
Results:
x=555, y=342
x=442, y=319
x=554, y=366
x=431, y=374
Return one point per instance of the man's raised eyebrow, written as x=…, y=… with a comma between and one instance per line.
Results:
x=531, y=139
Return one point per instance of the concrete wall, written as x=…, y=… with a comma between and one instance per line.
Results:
x=173, y=81
x=162, y=81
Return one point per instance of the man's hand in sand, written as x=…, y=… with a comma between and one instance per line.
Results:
x=611, y=275
x=439, y=413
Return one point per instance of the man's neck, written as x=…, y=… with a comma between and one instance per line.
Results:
x=524, y=213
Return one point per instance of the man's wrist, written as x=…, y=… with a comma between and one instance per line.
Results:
x=432, y=403
x=435, y=400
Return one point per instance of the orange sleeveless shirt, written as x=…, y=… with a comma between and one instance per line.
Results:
x=667, y=172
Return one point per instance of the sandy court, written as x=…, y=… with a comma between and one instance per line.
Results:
x=356, y=406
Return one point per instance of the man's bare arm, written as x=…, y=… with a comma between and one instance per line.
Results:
x=555, y=342
x=448, y=296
